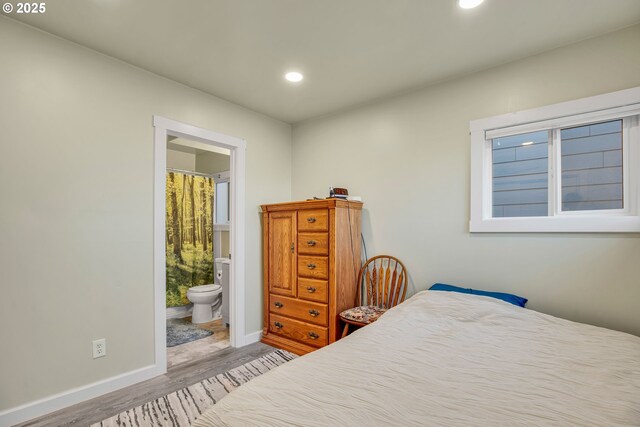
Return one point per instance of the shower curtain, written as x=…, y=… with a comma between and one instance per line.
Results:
x=189, y=235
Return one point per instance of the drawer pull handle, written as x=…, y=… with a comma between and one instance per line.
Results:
x=314, y=313
x=278, y=304
x=313, y=335
x=278, y=325
x=311, y=289
x=311, y=243
x=311, y=266
x=311, y=219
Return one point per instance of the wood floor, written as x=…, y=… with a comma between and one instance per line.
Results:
x=177, y=377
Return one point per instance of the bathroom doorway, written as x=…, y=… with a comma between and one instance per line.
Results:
x=197, y=250
x=195, y=274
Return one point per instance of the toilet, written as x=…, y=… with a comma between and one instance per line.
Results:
x=203, y=298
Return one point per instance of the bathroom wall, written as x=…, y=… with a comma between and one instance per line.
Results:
x=81, y=225
x=180, y=160
x=212, y=162
x=215, y=163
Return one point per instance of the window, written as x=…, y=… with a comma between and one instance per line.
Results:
x=591, y=167
x=222, y=201
x=520, y=175
x=570, y=167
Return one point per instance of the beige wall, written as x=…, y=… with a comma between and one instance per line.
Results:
x=408, y=157
x=212, y=162
x=76, y=252
x=181, y=160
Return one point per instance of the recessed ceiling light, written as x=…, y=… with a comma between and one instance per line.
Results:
x=528, y=143
x=294, y=76
x=469, y=4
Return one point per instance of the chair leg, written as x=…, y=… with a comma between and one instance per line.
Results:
x=345, y=331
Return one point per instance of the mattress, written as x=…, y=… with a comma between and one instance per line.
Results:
x=449, y=359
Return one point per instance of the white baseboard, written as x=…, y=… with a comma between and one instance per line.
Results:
x=62, y=400
x=252, y=337
x=71, y=397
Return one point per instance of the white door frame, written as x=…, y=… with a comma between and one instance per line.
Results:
x=165, y=127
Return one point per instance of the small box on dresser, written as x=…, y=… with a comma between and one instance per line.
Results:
x=311, y=262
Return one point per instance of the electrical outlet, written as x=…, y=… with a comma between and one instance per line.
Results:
x=99, y=348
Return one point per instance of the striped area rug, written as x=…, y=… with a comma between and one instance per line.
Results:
x=182, y=407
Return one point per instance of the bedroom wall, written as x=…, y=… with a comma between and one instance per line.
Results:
x=408, y=157
x=76, y=252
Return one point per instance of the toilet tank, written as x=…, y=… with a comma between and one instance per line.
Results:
x=222, y=278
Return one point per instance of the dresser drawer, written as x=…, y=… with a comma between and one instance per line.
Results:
x=313, y=243
x=316, y=336
x=315, y=267
x=313, y=290
x=303, y=310
x=313, y=220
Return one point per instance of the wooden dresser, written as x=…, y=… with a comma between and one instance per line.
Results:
x=311, y=264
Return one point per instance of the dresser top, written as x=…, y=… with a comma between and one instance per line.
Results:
x=312, y=204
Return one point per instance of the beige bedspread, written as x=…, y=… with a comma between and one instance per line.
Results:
x=450, y=359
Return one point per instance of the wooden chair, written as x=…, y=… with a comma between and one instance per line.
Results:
x=383, y=282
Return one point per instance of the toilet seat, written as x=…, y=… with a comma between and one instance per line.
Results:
x=205, y=288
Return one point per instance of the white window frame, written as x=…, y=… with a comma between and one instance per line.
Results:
x=624, y=104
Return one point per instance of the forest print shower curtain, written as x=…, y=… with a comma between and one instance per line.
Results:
x=189, y=235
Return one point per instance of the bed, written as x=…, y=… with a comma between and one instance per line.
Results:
x=450, y=359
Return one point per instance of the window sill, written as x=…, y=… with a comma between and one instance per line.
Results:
x=558, y=224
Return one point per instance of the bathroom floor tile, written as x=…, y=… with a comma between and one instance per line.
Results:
x=201, y=348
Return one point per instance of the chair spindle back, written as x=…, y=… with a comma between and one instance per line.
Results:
x=383, y=282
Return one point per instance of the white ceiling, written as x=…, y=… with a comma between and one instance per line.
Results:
x=350, y=51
